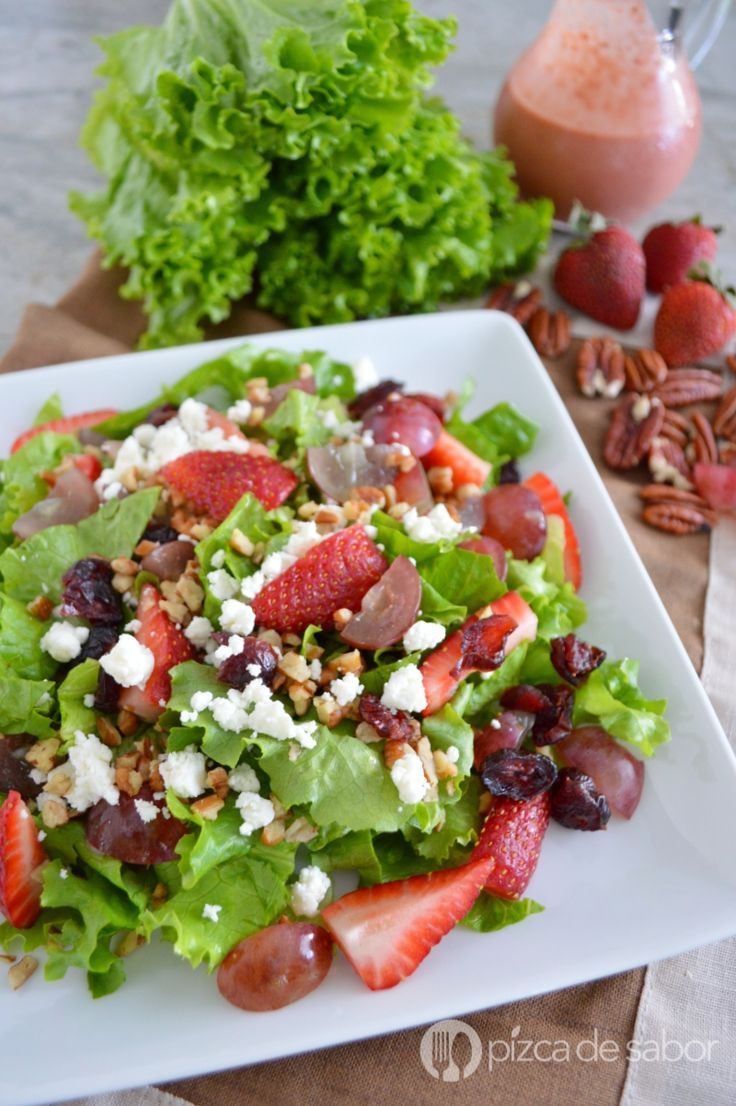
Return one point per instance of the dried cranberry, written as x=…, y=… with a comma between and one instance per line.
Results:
x=100, y=641
x=234, y=670
x=509, y=473
x=107, y=694
x=551, y=704
x=483, y=646
x=518, y=775
x=89, y=594
x=377, y=394
x=161, y=414
x=159, y=533
x=577, y=803
x=15, y=771
x=393, y=725
x=574, y=659
x=119, y=830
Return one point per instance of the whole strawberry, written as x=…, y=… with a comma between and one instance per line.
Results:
x=673, y=249
x=694, y=320
x=604, y=277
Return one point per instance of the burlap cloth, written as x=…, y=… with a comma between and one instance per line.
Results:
x=92, y=321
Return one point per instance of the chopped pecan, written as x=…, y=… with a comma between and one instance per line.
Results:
x=704, y=447
x=668, y=464
x=685, y=386
x=635, y=423
x=675, y=510
x=676, y=428
x=724, y=420
x=645, y=369
x=549, y=332
x=21, y=971
x=600, y=368
x=520, y=300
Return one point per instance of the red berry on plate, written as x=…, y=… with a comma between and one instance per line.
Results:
x=467, y=467
x=512, y=835
x=604, y=277
x=385, y=931
x=334, y=575
x=67, y=425
x=21, y=853
x=671, y=250
x=213, y=482
x=169, y=647
x=694, y=320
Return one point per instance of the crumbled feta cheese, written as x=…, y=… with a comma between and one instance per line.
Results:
x=185, y=772
x=255, y=709
x=254, y=670
x=255, y=811
x=309, y=891
x=452, y=753
x=88, y=701
x=112, y=491
x=346, y=689
x=201, y=700
x=211, y=911
x=233, y=647
x=364, y=374
x=251, y=585
x=218, y=558
x=147, y=812
x=367, y=439
x=63, y=873
x=423, y=635
x=63, y=641
x=432, y=527
x=240, y=412
x=315, y=669
x=237, y=617
x=371, y=531
x=222, y=585
x=199, y=631
x=408, y=776
x=38, y=776
x=92, y=772
x=133, y=626
x=128, y=662
x=42, y=835
x=404, y=690
x=244, y=778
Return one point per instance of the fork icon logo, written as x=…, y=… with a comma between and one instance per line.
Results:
x=435, y=1050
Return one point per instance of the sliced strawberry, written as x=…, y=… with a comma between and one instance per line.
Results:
x=214, y=482
x=716, y=484
x=169, y=647
x=87, y=463
x=554, y=504
x=65, y=425
x=467, y=467
x=512, y=835
x=21, y=853
x=439, y=671
x=334, y=574
x=386, y=931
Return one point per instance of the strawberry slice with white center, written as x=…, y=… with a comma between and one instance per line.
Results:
x=553, y=504
x=21, y=853
x=467, y=467
x=385, y=931
x=169, y=647
x=440, y=671
x=512, y=837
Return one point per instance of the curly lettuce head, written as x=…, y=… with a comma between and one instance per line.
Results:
x=288, y=145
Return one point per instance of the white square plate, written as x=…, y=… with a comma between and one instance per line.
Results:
x=646, y=889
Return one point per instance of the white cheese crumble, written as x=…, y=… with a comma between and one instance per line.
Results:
x=237, y=617
x=222, y=585
x=63, y=641
x=452, y=753
x=218, y=558
x=63, y=873
x=185, y=772
x=88, y=701
x=309, y=891
x=211, y=911
x=423, y=635
x=365, y=374
x=199, y=631
x=404, y=690
x=240, y=412
x=315, y=669
x=432, y=527
x=346, y=689
x=254, y=709
x=255, y=811
x=408, y=775
x=244, y=778
x=233, y=647
x=92, y=772
x=133, y=626
x=147, y=812
x=129, y=663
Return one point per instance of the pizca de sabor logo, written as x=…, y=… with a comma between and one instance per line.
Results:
x=436, y=1050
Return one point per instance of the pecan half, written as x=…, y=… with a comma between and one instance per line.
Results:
x=724, y=420
x=675, y=510
x=599, y=368
x=520, y=300
x=676, y=428
x=645, y=369
x=685, y=386
x=549, y=332
x=668, y=464
x=635, y=423
x=703, y=446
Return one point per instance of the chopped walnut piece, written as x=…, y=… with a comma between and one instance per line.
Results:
x=341, y=618
x=41, y=607
x=130, y=942
x=122, y=583
x=191, y=592
x=217, y=780
x=241, y=543
x=127, y=722
x=20, y=972
x=59, y=782
x=108, y=734
x=444, y=767
x=274, y=833
x=365, y=733
x=42, y=755
x=441, y=479
x=160, y=894
x=54, y=812
x=295, y=667
x=125, y=566
x=208, y=807
x=300, y=831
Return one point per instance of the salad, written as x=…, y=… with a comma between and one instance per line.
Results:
x=287, y=621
